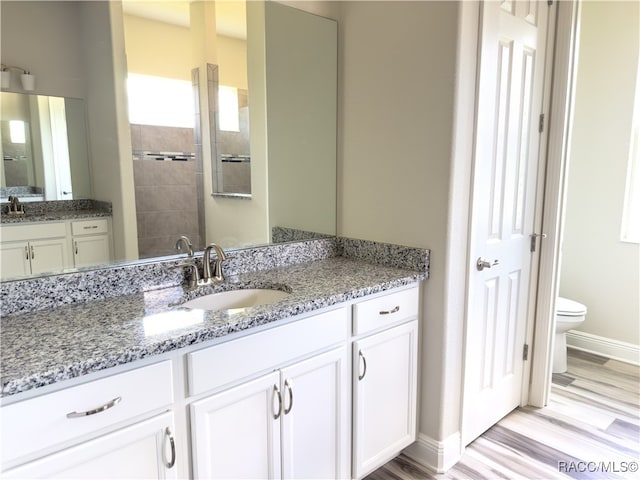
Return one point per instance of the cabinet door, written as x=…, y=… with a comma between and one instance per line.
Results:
x=91, y=250
x=14, y=259
x=50, y=255
x=385, y=396
x=236, y=433
x=142, y=450
x=316, y=417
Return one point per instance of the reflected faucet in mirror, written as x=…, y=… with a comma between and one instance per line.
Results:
x=184, y=241
x=194, y=279
x=15, y=208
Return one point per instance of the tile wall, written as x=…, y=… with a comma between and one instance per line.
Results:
x=165, y=190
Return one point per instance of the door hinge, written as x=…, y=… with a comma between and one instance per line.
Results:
x=534, y=236
x=525, y=352
x=541, y=123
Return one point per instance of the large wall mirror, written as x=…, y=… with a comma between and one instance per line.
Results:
x=166, y=178
x=44, y=148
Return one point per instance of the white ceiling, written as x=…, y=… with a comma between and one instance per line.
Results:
x=230, y=15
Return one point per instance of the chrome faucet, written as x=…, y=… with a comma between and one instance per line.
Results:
x=193, y=280
x=216, y=275
x=189, y=262
x=15, y=208
x=184, y=241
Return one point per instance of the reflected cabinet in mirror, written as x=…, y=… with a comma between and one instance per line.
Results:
x=166, y=88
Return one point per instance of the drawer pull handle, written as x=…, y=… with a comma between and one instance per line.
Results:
x=364, y=363
x=389, y=312
x=172, y=443
x=90, y=227
x=33, y=254
x=26, y=252
x=276, y=393
x=101, y=408
x=287, y=386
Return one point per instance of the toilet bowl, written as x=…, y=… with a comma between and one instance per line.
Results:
x=569, y=315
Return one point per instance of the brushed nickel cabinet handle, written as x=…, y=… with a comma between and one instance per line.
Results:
x=389, y=312
x=172, y=443
x=76, y=244
x=364, y=362
x=33, y=253
x=287, y=386
x=26, y=252
x=99, y=409
x=274, y=395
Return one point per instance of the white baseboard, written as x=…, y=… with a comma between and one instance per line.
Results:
x=437, y=456
x=606, y=347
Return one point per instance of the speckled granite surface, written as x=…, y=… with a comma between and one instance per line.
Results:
x=57, y=210
x=22, y=296
x=26, y=191
x=385, y=253
x=48, y=346
x=74, y=324
x=284, y=234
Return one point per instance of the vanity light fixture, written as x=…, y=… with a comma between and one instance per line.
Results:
x=28, y=80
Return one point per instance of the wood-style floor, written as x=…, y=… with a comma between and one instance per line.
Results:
x=589, y=430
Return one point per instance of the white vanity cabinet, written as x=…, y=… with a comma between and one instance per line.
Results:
x=143, y=450
x=44, y=247
x=235, y=433
x=385, y=359
x=32, y=249
x=325, y=395
x=292, y=422
x=90, y=242
x=116, y=427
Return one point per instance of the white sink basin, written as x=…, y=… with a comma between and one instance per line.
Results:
x=236, y=299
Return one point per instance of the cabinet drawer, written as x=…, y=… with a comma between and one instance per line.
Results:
x=89, y=227
x=230, y=362
x=42, y=422
x=386, y=310
x=36, y=231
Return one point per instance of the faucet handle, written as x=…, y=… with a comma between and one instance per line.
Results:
x=195, y=275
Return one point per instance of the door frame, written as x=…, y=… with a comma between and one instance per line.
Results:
x=560, y=117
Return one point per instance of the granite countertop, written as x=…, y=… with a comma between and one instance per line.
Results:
x=44, y=347
x=53, y=216
x=57, y=210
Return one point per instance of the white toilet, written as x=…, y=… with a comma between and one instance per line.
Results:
x=569, y=315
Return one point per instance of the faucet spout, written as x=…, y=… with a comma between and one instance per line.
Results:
x=184, y=241
x=215, y=274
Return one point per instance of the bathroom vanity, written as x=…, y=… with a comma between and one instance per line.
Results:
x=54, y=237
x=321, y=383
x=40, y=247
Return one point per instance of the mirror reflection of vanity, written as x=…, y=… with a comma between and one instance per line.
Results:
x=292, y=97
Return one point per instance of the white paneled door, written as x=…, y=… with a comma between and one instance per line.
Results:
x=509, y=103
